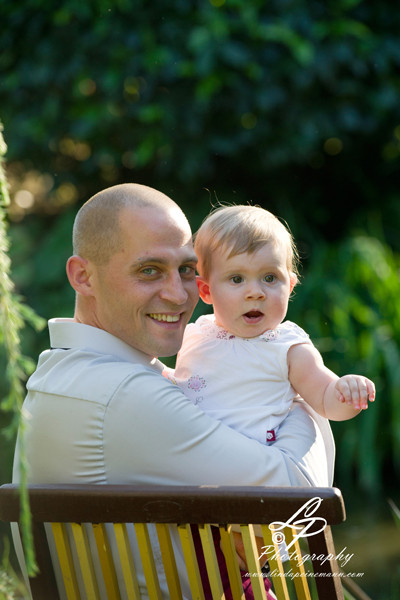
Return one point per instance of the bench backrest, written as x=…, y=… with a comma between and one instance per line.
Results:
x=84, y=517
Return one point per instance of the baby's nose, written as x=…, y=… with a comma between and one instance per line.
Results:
x=255, y=290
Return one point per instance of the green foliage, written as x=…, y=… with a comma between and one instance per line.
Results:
x=284, y=102
x=396, y=575
x=395, y=512
x=11, y=588
x=13, y=316
x=289, y=104
x=349, y=303
x=7, y=586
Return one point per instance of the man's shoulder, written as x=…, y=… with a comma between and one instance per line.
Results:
x=85, y=374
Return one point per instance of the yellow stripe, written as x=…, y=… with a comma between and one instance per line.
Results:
x=275, y=564
x=149, y=567
x=106, y=561
x=228, y=548
x=66, y=562
x=126, y=560
x=300, y=582
x=85, y=560
x=210, y=557
x=253, y=564
x=168, y=557
x=192, y=567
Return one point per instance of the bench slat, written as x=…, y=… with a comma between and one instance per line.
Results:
x=66, y=562
x=106, y=561
x=192, y=567
x=85, y=560
x=126, y=561
x=149, y=567
x=168, y=557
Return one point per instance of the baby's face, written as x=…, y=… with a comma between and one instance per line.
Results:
x=250, y=292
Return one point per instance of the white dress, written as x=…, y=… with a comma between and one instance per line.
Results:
x=242, y=382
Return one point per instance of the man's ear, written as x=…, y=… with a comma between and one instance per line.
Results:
x=204, y=289
x=293, y=281
x=79, y=275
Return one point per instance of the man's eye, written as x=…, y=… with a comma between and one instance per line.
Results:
x=187, y=270
x=149, y=271
x=236, y=279
x=269, y=278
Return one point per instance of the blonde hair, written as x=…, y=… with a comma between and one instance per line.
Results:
x=238, y=229
x=96, y=233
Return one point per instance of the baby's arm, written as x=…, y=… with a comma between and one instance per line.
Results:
x=241, y=554
x=333, y=397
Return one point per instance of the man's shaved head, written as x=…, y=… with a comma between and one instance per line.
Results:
x=97, y=224
x=134, y=268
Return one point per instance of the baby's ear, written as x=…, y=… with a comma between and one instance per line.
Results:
x=204, y=289
x=293, y=281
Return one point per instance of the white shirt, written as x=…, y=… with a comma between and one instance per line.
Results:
x=100, y=411
x=243, y=382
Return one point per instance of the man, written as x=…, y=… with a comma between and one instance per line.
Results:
x=99, y=409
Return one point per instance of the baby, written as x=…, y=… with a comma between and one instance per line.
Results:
x=244, y=365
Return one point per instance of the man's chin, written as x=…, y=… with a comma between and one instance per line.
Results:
x=170, y=347
x=168, y=352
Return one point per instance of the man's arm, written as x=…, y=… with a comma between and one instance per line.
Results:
x=153, y=433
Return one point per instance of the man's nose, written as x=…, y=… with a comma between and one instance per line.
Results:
x=173, y=289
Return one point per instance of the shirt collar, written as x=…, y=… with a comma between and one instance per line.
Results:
x=68, y=334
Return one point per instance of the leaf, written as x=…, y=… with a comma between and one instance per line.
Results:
x=395, y=512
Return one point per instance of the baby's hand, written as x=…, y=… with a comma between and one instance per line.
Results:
x=240, y=552
x=355, y=391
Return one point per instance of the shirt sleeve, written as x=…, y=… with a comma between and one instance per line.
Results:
x=153, y=434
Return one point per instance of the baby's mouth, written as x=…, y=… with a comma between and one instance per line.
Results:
x=253, y=316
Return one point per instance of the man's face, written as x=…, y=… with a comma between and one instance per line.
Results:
x=147, y=291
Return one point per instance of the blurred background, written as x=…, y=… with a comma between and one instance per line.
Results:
x=290, y=104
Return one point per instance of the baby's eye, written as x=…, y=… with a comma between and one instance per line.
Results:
x=236, y=279
x=269, y=278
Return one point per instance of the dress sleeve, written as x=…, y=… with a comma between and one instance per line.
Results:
x=153, y=434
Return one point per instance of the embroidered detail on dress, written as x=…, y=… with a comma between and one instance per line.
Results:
x=196, y=383
x=270, y=335
x=210, y=329
x=222, y=334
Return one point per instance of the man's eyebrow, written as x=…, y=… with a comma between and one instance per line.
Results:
x=146, y=259
x=191, y=259
x=162, y=261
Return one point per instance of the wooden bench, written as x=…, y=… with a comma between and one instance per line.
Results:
x=175, y=511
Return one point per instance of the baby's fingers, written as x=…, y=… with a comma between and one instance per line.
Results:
x=366, y=391
x=359, y=393
x=371, y=389
x=354, y=390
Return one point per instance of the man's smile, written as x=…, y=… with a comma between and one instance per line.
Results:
x=164, y=317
